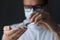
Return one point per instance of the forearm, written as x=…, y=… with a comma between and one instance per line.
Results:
x=57, y=36
x=57, y=32
x=54, y=28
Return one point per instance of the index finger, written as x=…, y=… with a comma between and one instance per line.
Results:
x=8, y=33
x=32, y=15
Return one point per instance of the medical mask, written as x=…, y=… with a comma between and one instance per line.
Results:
x=29, y=11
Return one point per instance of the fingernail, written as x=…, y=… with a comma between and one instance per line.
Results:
x=24, y=27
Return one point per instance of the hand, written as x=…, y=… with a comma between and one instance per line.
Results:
x=39, y=17
x=12, y=34
x=43, y=18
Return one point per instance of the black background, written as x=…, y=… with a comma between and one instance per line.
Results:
x=12, y=12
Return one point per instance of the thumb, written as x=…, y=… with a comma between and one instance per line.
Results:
x=7, y=28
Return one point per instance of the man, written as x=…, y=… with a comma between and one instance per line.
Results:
x=37, y=26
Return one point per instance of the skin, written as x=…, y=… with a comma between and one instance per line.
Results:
x=13, y=34
x=48, y=23
x=37, y=18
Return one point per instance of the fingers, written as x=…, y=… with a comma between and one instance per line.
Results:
x=18, y=33
x=13, y=31
x=33, y=17
x=6, y=28
x=9, y=33
x=38, y=18
x=13, y=34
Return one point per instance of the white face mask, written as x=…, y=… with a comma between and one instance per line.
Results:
x=29, y=11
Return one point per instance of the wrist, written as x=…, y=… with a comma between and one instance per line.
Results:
x=57, y=36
